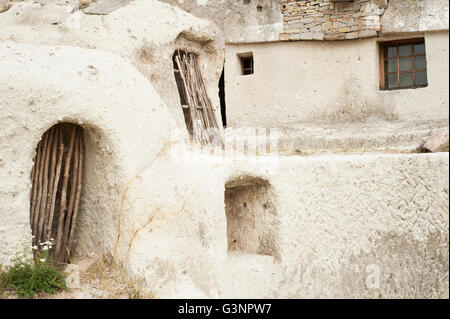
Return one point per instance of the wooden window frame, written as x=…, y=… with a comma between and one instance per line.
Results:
x=383, y=73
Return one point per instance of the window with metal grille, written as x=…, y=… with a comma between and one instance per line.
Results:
x=403, y=64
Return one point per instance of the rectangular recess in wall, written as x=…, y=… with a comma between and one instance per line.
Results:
x=247, y=64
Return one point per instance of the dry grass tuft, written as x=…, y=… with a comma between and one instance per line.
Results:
x=107, y=276
x=421, y=149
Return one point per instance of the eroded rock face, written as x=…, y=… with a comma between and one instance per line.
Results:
x=345, y=226
x=145, y=32
x=80, y=86
x=240, y=21
x=331, y=20
x=415, y=15
x=4, y=5
x=437, y=142
x=349, y=226
x=103, y=7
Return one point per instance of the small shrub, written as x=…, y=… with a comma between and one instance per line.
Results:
x=3, y=287
x=27, y=278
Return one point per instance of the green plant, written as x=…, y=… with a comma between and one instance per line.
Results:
x=28, y=277
x=3, y=288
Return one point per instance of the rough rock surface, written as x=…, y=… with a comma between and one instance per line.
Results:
x=4, y=5
x=104, y=7
x=367, y=226
x=415, y=15
x=331, y=20
x=119, y=115
x=240, y=21
x=357, y=226
x=437, y=142
x=145, y=32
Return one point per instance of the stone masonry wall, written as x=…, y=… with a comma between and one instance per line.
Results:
x=331, y=19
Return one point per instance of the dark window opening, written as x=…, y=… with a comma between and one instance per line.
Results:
x=223, y=111
x=247, y=64
x=403, y=64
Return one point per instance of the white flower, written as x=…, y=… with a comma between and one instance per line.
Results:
x=34, y=247
x=45, y=248
x=42, y=259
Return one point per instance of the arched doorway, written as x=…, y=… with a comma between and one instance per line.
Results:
x=56, y=189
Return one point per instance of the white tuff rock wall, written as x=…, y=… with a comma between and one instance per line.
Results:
x=335, y=226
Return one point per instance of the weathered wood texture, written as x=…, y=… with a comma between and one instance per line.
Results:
x=205, y=129
x=55, y=197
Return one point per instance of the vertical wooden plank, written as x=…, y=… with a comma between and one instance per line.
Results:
x=78, y=191
x=43, y=209
x=62, y=207
x=73, y=187
x=36, y=169
x=60, y=146
x=37, y=208
x=54, y=150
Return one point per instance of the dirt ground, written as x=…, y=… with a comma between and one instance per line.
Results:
x=98, y=279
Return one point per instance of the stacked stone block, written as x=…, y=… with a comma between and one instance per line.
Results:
x=331, y=19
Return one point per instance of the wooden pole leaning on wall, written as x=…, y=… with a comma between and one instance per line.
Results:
x=59, y=148
x=78, y=192
x=73, y=188
x=182, y=66
x=43, y=208
x=51, y=180
x=40, y=168
x=63, y=202
x=54, y=198
x=34, y=190
x=205, y=127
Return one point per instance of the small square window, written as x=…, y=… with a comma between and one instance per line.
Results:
x=403, y=64
x=247, y=65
